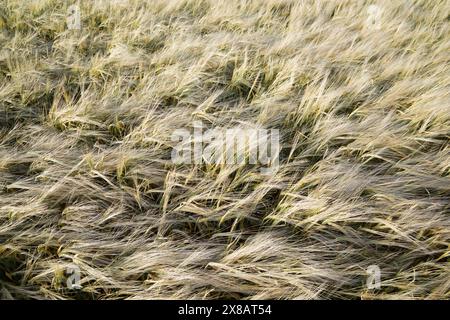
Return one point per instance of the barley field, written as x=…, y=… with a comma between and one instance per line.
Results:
x=92, y=205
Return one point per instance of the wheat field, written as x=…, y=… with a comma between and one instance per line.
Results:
x=360, y=94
